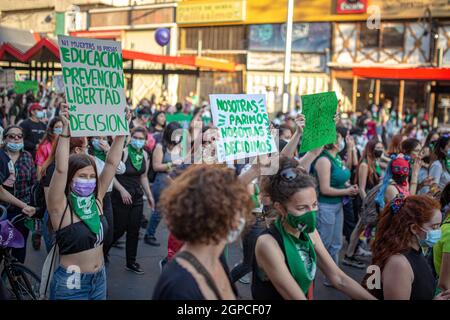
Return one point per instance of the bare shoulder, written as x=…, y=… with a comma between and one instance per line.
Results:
x=398, y=264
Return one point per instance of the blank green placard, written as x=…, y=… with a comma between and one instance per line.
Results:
x=319, y=110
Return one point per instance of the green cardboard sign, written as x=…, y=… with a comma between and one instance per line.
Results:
x=320, y=129
x=21, y=87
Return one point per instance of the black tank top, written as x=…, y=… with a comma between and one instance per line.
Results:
x=424, y=284
x=262, y=287
x=77, y=237
x=131, y=179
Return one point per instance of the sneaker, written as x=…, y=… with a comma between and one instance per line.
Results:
x=151, y=241
x=36, y=241
x=134, y=267
x=353, y=262
x=245, y=279
x=363, y=253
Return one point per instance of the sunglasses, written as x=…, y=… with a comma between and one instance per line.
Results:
x=288, y=174
x=14, y=136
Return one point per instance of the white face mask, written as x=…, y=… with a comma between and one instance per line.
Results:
x=234, y=234
x=341, y=145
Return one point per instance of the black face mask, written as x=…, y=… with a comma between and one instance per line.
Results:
x=400, y=180
x=378, y=153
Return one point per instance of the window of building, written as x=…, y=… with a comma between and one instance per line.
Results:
x=393, y=35
x=368, y=38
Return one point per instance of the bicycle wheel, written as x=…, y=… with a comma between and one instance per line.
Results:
x=25, y=284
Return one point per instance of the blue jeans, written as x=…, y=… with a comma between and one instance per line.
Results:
x=68, y=285
x=330, y=224
x=157, y=187
x=49, y=238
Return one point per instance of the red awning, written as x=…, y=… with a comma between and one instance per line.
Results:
x=46, y=50
x=437, y=74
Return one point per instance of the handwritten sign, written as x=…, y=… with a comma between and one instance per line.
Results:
x=319, y=110
x=94, y=84
x=243, y=124
x=21, y=87
x=58, y=84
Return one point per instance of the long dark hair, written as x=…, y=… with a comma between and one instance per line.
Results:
x=369, y=157
x=437, y=153
x=49, y=135
x=77, y=162
x=168, y=133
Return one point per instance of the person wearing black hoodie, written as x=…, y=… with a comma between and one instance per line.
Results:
x=33, y=128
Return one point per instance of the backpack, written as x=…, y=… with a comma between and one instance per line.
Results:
x=38, y=199
x=370, y=209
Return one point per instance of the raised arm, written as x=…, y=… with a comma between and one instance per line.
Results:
x=291, y=148
x=112, y=161
x=56, y=193
x=307, y=160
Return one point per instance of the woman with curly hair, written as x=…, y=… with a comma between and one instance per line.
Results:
x=205, y=224
x=405, y=226
x=288, y=254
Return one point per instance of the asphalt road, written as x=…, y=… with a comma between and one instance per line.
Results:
x=125, y=285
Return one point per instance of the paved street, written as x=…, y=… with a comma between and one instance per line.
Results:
x=124, y=285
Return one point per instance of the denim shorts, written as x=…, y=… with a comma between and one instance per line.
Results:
x=71, y=285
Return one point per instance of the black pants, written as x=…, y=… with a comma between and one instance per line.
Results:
x=248, y=242
x=350, y=219
x=109, y=215
x=19, y=253
x=127, y=218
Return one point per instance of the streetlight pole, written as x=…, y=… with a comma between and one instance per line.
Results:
x=288, y=56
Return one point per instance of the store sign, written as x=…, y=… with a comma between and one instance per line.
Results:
x=401, y=9
x=206, y=12
x=301, y=62
x=351, y=6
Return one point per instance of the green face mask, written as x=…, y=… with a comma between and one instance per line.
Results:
x=304, y=223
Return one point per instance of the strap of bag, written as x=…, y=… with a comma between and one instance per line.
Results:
x=54, y=250
x=189, y=257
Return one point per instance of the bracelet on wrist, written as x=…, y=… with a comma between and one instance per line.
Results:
x=64, y=135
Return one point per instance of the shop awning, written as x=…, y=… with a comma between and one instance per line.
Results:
x=430, y=74
x=46, y=50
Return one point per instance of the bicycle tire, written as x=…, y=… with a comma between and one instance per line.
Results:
x=23, y=285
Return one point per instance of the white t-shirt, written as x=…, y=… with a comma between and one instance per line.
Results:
x=100, y=164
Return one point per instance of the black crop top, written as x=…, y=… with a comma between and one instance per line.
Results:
x=77, y=237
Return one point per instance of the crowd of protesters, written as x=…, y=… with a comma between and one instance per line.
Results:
x=378, y=195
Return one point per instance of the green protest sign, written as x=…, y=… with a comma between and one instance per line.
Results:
x=21, y=87
x=244, y=126
x=181, y=118
x=319, y=110
x=94, y=85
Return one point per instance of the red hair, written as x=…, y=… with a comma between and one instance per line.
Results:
x=393, y=235
x=394, y=147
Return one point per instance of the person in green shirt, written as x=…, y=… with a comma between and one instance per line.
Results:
x=334, y=187
x=288, y=254
x=441, y=251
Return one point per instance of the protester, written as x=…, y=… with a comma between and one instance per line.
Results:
x=333, y=178
x=440, y=162
x=74, y=204
x=441, y=251
x=368, y=176
x=406, y=225
x=44, y=148
x=158, y=123
x=288, y=254
x=33, y=128
x=99, y=148
x=166, y=157
x=127, y=196
x=197, y=272
x=16, y=108
x=22, y=176
x=394, y=147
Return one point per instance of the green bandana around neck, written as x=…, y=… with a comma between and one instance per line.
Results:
x=377, y=168
x=99, y=154
x=136, y=157
x=86, y=209
x=301, y=257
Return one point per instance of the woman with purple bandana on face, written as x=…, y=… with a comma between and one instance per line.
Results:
x=74, y=204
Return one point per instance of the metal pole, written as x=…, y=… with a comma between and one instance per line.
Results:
x=199, y=54
x=287, y=57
